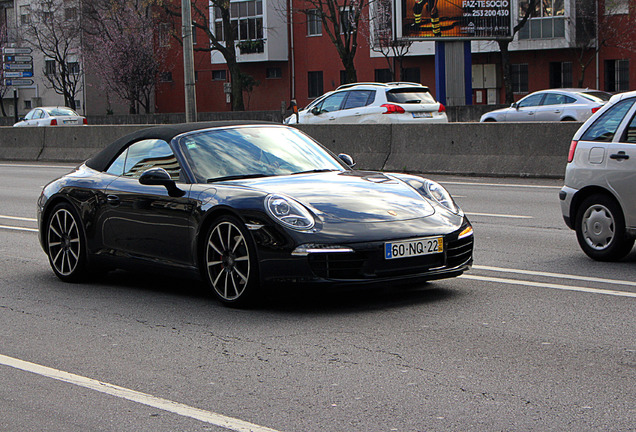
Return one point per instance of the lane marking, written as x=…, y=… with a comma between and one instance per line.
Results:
x=499, y=215
x=501, y=184
x=18, y=228
x=135, y=396
x=551, y=286
x=556, y=275
x=18, y=218
x=38, y=166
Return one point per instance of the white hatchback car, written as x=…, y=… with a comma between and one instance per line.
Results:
x=366, y=103
x=551, y=105
x=51, y=116
x=598, y=200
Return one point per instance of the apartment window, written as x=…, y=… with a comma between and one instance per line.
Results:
x=78, y=104
x=314, y=82
x=347, y=24
x=49, y=67
x=25, y=15
x=616, y=75
x=246, y=18
x=70, y=14
x=560, y=74
x=411, y=75
x=519, y=78
x=164, y=34
x=274, y=72
x=314, y=23
x=165, y=77
x=73, y=68
x=47, y=17
x=547, y=21
x=383, y=75
x=219, y=75
x=27, y=104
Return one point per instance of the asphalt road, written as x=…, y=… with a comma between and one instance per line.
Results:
x=535, y=337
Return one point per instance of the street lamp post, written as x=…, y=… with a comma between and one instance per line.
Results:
x=188, y=62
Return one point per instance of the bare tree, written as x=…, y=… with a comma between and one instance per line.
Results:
x=222, y=36
x=53, y=29
x=612, y=26
x=341, y=20
x=121, y=38
x=381, y=38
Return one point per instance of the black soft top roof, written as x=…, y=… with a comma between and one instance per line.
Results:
x=102, y=160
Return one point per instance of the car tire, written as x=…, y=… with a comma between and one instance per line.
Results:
x=489, y=120
x=600, y=229
x=66, y=244
x=230, y=266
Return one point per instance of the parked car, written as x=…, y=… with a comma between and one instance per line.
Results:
x=366, y=103
x=598, y=199
x=244, y=205
x=51, y=116
x=551, y=105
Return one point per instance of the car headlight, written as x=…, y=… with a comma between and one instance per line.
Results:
x=289, y=212
x=441, y=195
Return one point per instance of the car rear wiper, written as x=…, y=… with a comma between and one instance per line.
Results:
x=314, y=171
x=238, y=177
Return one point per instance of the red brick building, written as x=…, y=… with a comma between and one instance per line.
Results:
x=297, y=60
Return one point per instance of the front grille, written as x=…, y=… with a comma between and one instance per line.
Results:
x=459, y=251
x=337, y=265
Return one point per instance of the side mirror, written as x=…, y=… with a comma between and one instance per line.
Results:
x=514, y=105
x=348, y=160
x=316, y=111
x=160, y=177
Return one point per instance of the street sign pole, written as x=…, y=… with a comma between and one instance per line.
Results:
x=188, y=62
x=15, y=105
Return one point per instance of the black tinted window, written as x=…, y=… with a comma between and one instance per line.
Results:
x=604, y=128
x=414, y=95
x=359, y=98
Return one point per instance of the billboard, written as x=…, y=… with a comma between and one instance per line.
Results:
x=454, y=19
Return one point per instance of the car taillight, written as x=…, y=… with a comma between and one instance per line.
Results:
x=595, y=109
x=572, y=150
x=442, y=108
x=393, y=109
x=53, y=122
x=85, y=121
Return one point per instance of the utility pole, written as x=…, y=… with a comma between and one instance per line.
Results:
x=188, y=62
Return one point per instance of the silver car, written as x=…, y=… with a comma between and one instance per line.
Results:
x=551, y=105
x=51, y=116
x=598, y=200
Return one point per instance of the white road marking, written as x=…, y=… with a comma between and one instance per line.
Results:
x=18, y=218
x=500, y=184
x=38, y=166
x=499, y=215
x=555, y=275
x=134, y=396
x=18, y=228
x=551, y=286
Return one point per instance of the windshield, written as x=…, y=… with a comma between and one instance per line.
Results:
x=253, y=151
x=597, y=96
x=410, y=95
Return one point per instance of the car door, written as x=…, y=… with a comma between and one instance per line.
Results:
x=328, y=110
x=144, y=220
x=621, y=167
x=551, y=108
x=36, y=119
x=526, y=108
x=354, y=106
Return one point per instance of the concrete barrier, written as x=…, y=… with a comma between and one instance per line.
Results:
x=484, y=149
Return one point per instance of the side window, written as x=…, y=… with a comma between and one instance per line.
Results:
x=150, y=153
x=38, y=114
x=358, y=98
x=29, y=115
x=530, y=101
x=605, y=126
x=117, y=167
x=569, y=100
x=333, y=102
x=554, y=99
x=630, y=132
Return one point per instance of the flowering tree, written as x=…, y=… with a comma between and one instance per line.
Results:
x=121, y=41
x=52, y=28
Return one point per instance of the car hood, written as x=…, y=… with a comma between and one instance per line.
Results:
x=350, y=196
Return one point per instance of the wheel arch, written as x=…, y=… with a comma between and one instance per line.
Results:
x=46, y=213
x=586, y=192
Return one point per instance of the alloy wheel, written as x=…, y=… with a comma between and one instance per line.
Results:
x=64, y=242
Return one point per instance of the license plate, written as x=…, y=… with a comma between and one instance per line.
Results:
x=414, y=247
x=422, y=114
x=70, y=122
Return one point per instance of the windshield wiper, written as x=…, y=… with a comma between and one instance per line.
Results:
x=238, y=177
x=314, y=171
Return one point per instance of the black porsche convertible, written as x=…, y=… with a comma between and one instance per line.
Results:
x=244, y=205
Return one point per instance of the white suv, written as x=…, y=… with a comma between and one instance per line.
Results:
x=598, y=200
x=366, y=103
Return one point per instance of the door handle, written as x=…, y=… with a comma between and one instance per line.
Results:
x=113, y=200
x=620, y=156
